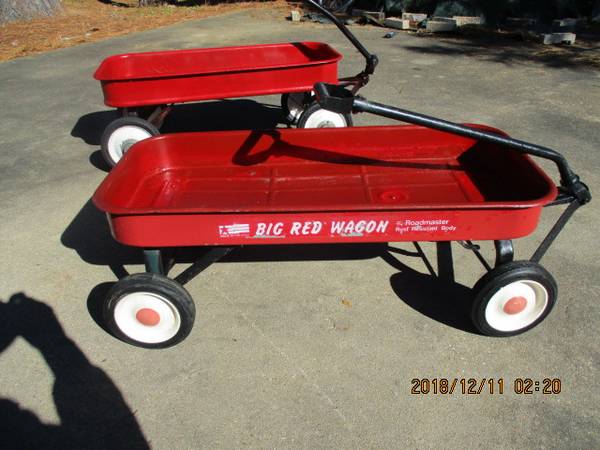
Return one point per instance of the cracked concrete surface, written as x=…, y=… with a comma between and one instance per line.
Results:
x=292, y=347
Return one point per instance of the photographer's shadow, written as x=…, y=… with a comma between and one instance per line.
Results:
x=92, y=410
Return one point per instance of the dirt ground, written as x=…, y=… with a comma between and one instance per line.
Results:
x=91, y=20
x=503, y=44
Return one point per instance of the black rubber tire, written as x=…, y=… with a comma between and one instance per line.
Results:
x=314, y=107
x=289, y=118
x=501, y=276
x=155, y=283
x=114, y=126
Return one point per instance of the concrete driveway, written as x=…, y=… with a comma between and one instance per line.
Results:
x=292, y=347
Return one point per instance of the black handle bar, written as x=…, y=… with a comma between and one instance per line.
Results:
x=338, y=99
x=370, y=58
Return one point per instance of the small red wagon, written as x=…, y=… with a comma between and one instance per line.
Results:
x=144, y=86
x=363, y=184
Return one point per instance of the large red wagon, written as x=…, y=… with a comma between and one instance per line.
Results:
x=361, y=184
x=291, y=186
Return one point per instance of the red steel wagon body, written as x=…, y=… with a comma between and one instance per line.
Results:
x=362, y=184
x=177, y=76
x=337, y=185
x=144, y=86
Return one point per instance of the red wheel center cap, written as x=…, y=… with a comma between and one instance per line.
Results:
x=148, y=317
x=515, y=305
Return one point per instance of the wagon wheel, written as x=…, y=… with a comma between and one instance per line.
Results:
x=513, y=298
x=316, y=117
x=294, y=104
x=121, y=134
x=149, y=310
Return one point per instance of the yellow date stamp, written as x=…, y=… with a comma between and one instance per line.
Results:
x=489, y=386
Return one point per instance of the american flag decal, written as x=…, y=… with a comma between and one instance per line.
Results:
x=235, y=229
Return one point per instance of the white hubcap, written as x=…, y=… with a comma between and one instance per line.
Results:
x=516, y=305
x=147, y=317
x=325, y=119
x=124, y=137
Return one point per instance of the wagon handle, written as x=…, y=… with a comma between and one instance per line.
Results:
x=370, y=58
x=338, y=99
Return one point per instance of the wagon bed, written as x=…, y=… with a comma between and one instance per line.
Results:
x=176, y=76
x=400, y=183
x=436, y=181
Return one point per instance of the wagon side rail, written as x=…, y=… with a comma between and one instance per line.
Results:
x=572, y=190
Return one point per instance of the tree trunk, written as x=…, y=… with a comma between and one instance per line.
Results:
x=27, y=9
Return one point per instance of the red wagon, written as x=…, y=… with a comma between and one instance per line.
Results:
x=375, y=184
x=144, y=86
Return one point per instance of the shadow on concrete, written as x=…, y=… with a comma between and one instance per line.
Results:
x=89, y=127
x=219, y=115
x=513, y=49
x=222, y=115
x=92, y=411
x=89, y=235
x=205, y=116
x=438, y=297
